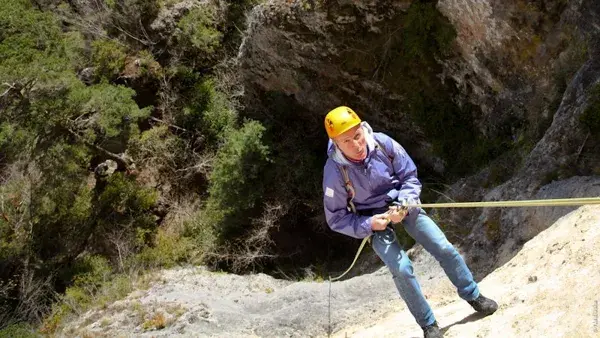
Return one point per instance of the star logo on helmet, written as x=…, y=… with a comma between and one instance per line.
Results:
x=330, y=124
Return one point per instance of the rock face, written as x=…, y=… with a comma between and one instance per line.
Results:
x=553, y=278
x=515, y=57
x=315, y=57
x=561, y=152
x=510, y=59
x=526, y=66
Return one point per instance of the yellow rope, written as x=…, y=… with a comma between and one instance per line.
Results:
x=362, y=245
x=523, y=203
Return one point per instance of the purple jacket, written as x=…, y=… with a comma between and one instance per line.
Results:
x=384, y=176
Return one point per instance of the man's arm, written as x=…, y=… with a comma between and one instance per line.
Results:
x=406, y=171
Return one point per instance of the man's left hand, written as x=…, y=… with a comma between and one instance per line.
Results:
x=396, y=214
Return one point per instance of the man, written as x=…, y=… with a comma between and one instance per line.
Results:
x=365, y=174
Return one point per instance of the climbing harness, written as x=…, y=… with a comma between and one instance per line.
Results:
x=348, y=183
x=560, y=202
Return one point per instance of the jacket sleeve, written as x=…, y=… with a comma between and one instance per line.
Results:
x=406, y=171
x=337, y=215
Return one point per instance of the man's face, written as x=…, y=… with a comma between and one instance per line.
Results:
x=352, y=143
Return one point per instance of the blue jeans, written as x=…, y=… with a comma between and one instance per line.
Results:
x=420, y=227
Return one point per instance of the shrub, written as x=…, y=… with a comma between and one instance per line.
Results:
x=95, y=284
x=235, y=183
x=156, y=147
x=168, y=250
x=198, y=31
x=208, y=111
x=21, y=330
x=108, y=56
x=123, y=217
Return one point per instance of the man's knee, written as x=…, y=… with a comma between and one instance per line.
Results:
x=446, y=249
x=402, y=268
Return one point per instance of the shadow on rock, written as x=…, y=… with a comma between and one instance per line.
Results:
x=470, y=318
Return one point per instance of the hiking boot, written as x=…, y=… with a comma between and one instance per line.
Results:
x=484, y=305
x=432, y=331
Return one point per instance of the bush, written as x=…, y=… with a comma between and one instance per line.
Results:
x=208, y=111
x=123, y=218
x=235, y=186
x=235, y=183
x=108, y=56
x=30, y=43
x=13, y=141
x=156, y=147
x=198, y=32
x=21, y=330
x=95, y=284
x=168, y=250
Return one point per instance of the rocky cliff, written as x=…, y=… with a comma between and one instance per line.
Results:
x=511, y=77
x=552, y=279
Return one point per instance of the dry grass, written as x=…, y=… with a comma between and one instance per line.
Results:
x=156, y=322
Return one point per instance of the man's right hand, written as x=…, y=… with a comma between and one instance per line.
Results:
x=379, y=222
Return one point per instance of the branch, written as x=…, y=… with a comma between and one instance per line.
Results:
x=10, y=87
x=581, y=147
x=120, y=160
x=168, y=124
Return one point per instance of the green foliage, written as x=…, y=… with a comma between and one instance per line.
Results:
x=168, y=250
x=13, y=233
x=62, y=195
x=208, y=111
x=21, y=330
x=236, y=183
x=124, y=206
x=426, y=32
x=118, y=112
x=51, y=129
x=95, y=284
x=590, y=117
x=93, y=271
x=109, y=58
x=198, y=30
x=30, y=43
x=156, y=147
x=201, y=228
x=74, y=49
x=13, y=141
x=237, y=167
x=148, y=65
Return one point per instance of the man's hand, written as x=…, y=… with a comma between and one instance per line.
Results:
x=380, y=221
x=396, y=214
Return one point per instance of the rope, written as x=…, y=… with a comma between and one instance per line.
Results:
x=329, y=310
x=492, y=204
x=523, y=203
x=362, y=245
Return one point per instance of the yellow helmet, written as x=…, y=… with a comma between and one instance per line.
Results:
x=340, y=120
